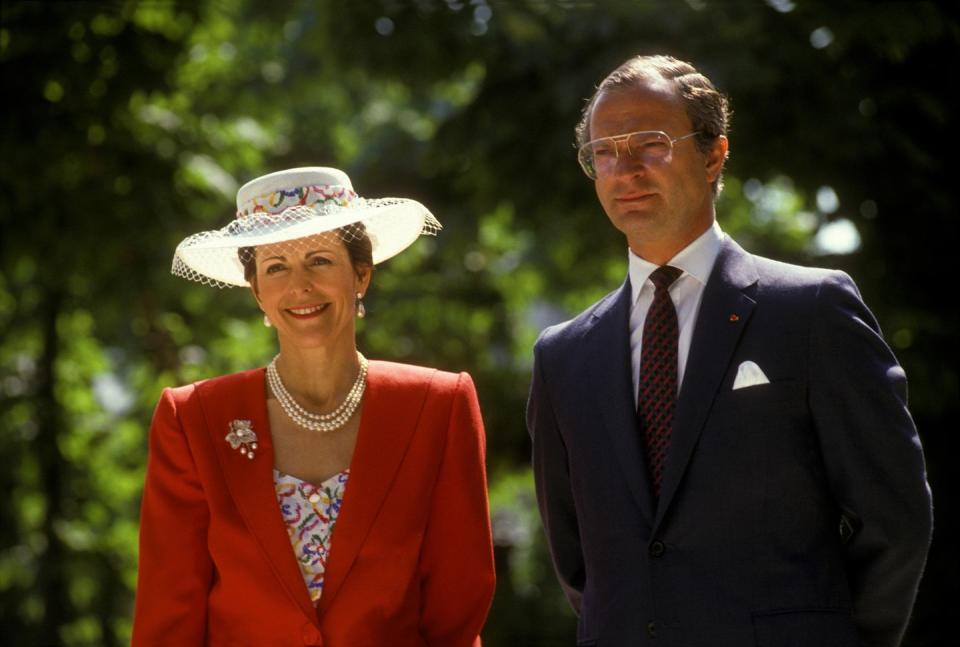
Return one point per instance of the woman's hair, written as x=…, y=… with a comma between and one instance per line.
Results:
x=354, y=238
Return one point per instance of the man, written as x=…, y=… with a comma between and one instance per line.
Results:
x=722, y=450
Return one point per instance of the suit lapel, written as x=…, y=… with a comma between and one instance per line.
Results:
x=724, y=313
x=607, y=357
x=250, y=482
x=389, y=419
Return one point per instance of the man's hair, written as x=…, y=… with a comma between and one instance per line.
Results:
x=707, y=108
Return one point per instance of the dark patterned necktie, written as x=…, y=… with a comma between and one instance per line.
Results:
x=657, y=392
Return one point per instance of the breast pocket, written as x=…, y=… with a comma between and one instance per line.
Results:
x=763, y=430
x=762, y=403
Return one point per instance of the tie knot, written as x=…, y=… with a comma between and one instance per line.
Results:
x=664, y=276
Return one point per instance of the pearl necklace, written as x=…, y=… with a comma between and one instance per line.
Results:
x=318, y=421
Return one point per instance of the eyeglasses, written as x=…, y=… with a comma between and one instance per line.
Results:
x=599, y=157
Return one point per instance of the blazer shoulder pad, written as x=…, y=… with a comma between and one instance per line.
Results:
x=571, y=330
x=220, y=386
x=399, y=375
x=787, y=276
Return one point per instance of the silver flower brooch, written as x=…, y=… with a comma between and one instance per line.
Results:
x=242, y=437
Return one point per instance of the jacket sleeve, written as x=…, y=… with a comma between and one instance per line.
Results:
x=456, y=563
x=858, y=396
x=175, y=569
x=554, y=493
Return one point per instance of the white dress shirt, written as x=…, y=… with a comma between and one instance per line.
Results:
x=696, y=260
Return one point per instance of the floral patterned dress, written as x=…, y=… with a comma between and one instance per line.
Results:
x=310, y=513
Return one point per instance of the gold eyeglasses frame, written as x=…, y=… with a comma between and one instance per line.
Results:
x=585, y=152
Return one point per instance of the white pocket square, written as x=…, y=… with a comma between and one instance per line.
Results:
x=749, y=374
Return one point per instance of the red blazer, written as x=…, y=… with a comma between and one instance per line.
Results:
x=411, y=561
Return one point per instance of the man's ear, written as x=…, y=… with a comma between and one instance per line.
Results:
x=715, y=157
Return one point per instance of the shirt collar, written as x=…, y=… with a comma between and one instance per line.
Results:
x=696, y=260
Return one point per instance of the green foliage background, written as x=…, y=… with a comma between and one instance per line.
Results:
x=128, y=125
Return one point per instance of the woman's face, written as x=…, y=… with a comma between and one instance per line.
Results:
x=308, y=288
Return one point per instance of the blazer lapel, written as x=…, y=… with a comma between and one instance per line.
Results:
x=724, y=313
x=250, y=482
x=607, y=358
x=387, y=424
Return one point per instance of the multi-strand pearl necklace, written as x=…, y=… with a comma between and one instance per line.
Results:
x=318, y=421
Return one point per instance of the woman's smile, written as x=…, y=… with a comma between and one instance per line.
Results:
x=308, y=311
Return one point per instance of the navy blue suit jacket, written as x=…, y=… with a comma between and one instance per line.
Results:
x=794, y=513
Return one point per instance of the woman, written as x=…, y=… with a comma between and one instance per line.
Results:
x=324, y=500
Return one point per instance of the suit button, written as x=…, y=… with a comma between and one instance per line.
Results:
x=652, y=629
x=657, y=548
x=311, y=636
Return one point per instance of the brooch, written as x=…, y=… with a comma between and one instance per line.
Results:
x=242, y=437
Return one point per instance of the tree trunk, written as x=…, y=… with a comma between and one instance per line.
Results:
x=52, y=581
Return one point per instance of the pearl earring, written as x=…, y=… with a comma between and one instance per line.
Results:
x=361, y=310
x=266, y=321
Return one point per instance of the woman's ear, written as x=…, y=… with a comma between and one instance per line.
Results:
x=255, y=293
x=364, y=276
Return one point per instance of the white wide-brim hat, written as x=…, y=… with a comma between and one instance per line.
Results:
x=293, y=204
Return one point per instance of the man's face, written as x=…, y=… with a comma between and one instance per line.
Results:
x=661, y=205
